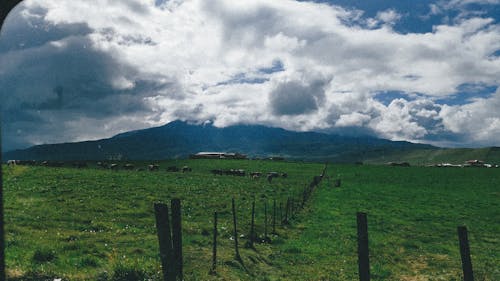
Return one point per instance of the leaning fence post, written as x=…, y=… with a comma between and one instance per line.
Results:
x=177, y=237
x=214, y=249
x=465, y=253
x=237, y=252
x=165, y=241
x=363, y=256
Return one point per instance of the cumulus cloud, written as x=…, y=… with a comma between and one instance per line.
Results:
x=478, y=123
x=298, y=65
x=387, y=17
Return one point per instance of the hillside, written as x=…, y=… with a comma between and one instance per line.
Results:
x=180, y=139
x=442, y=155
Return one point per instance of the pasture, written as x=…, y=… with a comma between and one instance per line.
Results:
x=98, y=224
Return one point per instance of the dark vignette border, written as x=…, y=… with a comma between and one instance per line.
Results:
x=5, y=7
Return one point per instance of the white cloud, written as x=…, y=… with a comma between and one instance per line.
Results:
x=388, y=16
x=478, y=122
x=206, y=60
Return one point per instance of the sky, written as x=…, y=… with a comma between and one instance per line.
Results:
x=421, y=71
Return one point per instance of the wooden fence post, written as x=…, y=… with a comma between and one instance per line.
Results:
x=281, y=213
x=237, y=252
x=363, y=255
x=274, y=216
x=265, y=221
x=465, y=253
x=252, y=225
x=337, y=183
x=177, y=237
x=165, y=241
x=304, y=196
x=214, y=249
x=285, y=221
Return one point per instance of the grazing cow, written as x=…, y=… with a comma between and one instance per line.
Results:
x=269, y=178
x=186, y=169
x=153, y=167
x=235, y=172
x=255, y=175
x=11, y=162
x=172, y=169
x=113, y=166
x=272, y=175
x=128, y=166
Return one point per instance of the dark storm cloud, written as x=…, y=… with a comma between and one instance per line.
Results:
x=68, y=77
x=23, y=33
x=55, y=76
x=295, y=98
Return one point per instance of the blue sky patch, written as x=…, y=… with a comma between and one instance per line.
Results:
x=386, y=97
x=159, y=2
x=466, y=93
x=417, y=16
x=242, y=78
x=276, y=67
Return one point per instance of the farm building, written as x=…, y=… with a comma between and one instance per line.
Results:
x=217, y=155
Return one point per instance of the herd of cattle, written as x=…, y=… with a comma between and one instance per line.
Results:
x=253, y=175
x=150, y=167
x=102, y=165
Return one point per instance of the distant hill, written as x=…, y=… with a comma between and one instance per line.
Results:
x=179, y=139
x=443, y=155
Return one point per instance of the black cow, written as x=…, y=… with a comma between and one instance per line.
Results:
x=272, y=175
x=255, y=175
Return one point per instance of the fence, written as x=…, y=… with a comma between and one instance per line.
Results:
x=170, y=239
x=170, y=233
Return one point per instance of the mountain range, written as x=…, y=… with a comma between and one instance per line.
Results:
x=179, y=139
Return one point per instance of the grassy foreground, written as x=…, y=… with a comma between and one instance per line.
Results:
x=90, y=224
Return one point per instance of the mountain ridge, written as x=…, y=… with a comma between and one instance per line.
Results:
x=179, y=139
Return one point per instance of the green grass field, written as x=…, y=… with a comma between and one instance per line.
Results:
x=91, y=224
